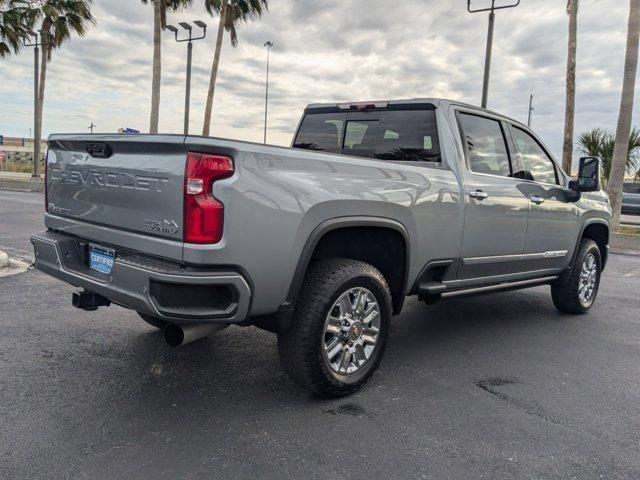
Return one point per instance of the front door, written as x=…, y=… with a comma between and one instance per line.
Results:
x=496, y=209
x=553, y=220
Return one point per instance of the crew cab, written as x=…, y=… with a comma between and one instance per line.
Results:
x=322, y=242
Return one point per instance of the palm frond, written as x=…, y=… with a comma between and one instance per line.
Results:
x=634, y=151
x=591, y=142
x=16, y=19
x=213, y=7
x=600, y=143
x=241, y=11
x=169, y=5
x=62, y=18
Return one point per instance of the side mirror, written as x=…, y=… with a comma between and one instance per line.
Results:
x=588, y=175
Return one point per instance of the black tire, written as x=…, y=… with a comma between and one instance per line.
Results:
x=153, y=321
x=566, y=295
x=301, y=347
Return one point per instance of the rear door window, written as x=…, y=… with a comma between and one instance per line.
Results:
x=399, y=135
x=486, y=145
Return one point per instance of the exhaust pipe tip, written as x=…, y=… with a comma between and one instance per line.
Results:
x=173, y=335
x=178, y=335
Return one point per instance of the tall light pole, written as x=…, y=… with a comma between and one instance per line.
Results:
x=487, y=57
x=269, y=46
x=92, y=126
x=37, y=42
x=531, y=109
x=190, y=39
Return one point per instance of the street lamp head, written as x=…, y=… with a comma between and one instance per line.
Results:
x=269, y=44
x=493, y=7
x=186, y=26
x=171, y=28
x=200, y=23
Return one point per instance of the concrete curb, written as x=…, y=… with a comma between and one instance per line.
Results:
x=11, y=267
x=21, y=184
x=625, y=243
x=4, y=260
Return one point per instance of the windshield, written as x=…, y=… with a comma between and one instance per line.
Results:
x=401, y=135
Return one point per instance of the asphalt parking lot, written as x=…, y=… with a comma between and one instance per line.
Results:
x=491, y=387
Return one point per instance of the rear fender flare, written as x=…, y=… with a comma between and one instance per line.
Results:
x=335, y=224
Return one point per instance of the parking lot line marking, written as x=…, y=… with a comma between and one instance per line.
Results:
x=631, y=274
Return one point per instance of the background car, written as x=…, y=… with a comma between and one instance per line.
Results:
x=631, y=198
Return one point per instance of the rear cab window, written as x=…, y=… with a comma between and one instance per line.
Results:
x=394, y=134
x=321, y=132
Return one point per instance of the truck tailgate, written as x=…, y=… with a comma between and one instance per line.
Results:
x=131, y=183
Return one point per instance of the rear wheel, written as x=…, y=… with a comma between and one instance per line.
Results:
x=153, y=321
x=579, y=292
x=341, y=325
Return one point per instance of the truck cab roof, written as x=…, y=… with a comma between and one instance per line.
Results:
x=383, y=104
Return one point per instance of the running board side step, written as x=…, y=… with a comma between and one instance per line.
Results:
x=431, y=291
x=506, y=286
x=432, y=288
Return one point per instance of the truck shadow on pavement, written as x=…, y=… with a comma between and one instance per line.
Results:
x=242, y=366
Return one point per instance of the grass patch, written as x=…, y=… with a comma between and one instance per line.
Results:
x=629, y=229
x=20, y=167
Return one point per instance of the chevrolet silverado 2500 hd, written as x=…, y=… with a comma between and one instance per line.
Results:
x=322, y=242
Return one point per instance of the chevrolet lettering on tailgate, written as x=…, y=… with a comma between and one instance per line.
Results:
x=97, y=178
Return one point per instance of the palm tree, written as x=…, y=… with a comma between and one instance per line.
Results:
x=623, y=131
x=59, y=19
x=600, y=143
x=232, y=13
x=567, y=149
x=160, y=8
x=16, y=18
x=158, y=26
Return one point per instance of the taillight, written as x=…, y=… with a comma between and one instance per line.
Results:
x=203, y=214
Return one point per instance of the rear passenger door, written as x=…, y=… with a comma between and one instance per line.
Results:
x=553, y=219
x=496, y=210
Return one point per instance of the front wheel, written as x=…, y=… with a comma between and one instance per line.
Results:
x=340, y=330
x=579, y=292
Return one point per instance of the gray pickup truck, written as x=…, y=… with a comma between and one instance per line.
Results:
x=322, y=242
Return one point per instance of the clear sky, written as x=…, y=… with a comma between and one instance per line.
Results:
x=326, y=51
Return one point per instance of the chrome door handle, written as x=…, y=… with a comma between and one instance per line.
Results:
x=537, y=200
x=478, y=194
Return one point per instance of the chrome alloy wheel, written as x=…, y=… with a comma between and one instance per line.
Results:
x=588, y=278
x=351, y=330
